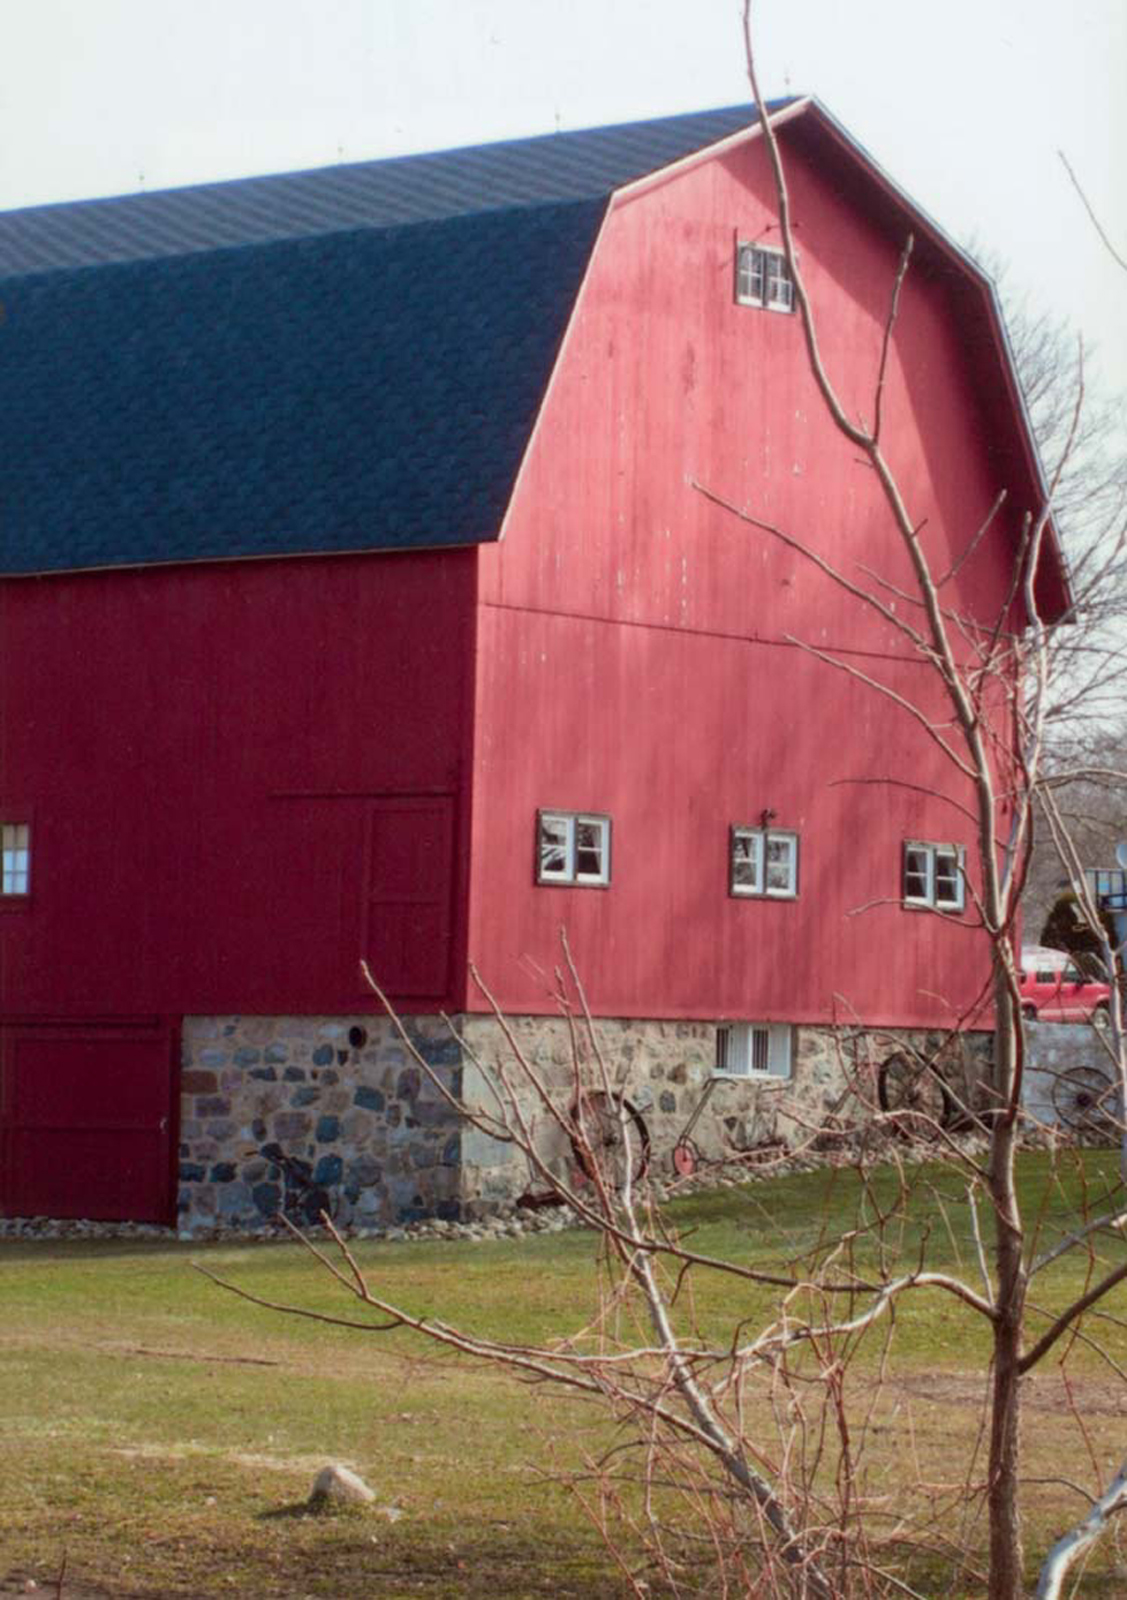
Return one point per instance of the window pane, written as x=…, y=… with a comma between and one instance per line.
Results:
x=916, y=873
x=553, y=847
x=948, y=879
x=781, y=851
x=779, y=291
x=760, y=1050
x=590, y=849
x=15, y=858
x=746, y=859
x=749, y=276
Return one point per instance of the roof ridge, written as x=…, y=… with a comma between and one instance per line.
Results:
x=546, y=168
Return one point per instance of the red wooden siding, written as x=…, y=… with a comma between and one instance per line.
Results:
x=408, y=931
x=638, y=645
x=204, y=786
x=88, y=1120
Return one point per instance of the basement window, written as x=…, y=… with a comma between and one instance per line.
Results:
x=573, y=847
x=762, y=278
x=15, y=858
x=934, y=875
x=763, y=861
x=753, y=1050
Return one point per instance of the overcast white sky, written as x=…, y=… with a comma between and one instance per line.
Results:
x=965, y=104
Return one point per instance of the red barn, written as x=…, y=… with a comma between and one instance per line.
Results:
x=359, y=601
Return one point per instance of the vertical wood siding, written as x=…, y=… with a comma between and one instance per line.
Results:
x=641, y=650
x=205, y=784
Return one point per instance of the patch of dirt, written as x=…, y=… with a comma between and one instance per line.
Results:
x=1042, y=1392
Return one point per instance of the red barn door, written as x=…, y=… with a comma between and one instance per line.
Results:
x=410, y=888
x=86, y=1121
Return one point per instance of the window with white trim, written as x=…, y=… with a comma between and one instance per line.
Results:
x=763, y=861
x=753, y=1050
x=934, y=875
x=15, y=858
x=762, y=278
x=572, y=847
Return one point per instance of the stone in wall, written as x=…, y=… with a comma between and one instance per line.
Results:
x=293, y=1113
x=1069, y=1081
x=666, y=1070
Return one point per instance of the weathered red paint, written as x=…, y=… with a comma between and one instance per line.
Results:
x=243, y=778
x=642, y=650
x=210, y=750
x=88, y=1119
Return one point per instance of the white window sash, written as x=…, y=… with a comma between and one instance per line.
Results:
x=752, y=847
x=929, y=857
x=956, y=856
x=746, y=853
x=601, y=825
x=762, y=278
x=15, y=858
x=554, y=820
x=789, y=842
x=740, y=1045
x=567, y=824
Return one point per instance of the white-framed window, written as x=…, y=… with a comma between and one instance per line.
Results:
x=762, y=278
x=15, y=858
x=753, y=1050
x=934, y=875
x=763, y=861
x=572, y=847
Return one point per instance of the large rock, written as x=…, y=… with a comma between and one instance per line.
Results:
x=338, y=1484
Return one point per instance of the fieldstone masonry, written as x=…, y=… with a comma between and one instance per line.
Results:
x=280, y=1113
x=1064, y=1060
x=340, y=1098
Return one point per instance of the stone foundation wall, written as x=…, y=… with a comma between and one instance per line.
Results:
x=362, y=1118
x=664, y=1069
x=357, y=1121
x=1066, y=1065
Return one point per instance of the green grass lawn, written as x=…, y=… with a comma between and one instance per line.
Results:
x=163, y=1435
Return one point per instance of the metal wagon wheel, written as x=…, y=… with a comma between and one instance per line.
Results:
x=610, y=1137
x=1085, y=1101
x=303, y=1199
x=914, y=1091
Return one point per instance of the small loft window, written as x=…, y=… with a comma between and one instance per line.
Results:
x=15, y=858
x=763, y=861
x=762, y=278
x=753, y=1050
x=572, y=847
x=934, y=875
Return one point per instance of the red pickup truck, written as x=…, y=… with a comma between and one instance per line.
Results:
x=1053, y=989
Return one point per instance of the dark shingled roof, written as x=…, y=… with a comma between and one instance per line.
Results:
x=323, y=361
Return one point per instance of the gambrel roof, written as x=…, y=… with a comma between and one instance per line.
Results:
x=323, y=361
x=352, y=358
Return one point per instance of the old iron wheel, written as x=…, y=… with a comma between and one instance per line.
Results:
x=685, y=1158
x=606, y=1128
x=915, y=1093
x=1084, y=1100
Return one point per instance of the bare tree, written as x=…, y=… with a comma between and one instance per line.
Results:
x=745, y=1450
x=1081, y=435
x=1004, y=678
